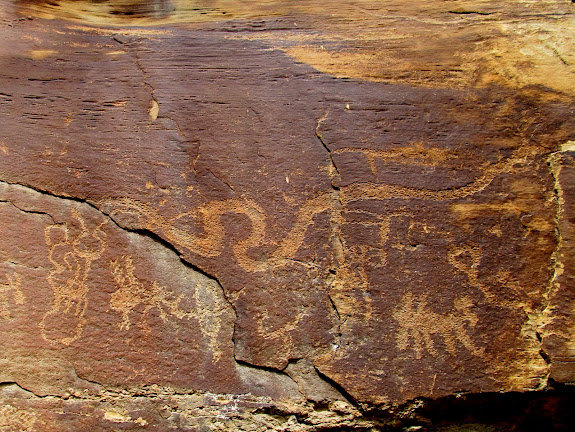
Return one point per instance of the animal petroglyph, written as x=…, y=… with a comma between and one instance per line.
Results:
x=417, y=324
x=211, y=243
x=466, y=258
x=415, y=153
x=72, y=250
x=132, y=292
x=377, y=191
x=8, y=291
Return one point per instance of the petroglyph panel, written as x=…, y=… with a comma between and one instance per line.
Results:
x=83, y=296
x=196, y=207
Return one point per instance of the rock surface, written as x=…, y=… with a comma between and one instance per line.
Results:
x=277, y=215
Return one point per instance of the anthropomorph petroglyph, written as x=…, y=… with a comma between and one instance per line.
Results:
x=349, y=286
x=133, y=293
x=10, y=292
x=418, y=324
x=73, y=247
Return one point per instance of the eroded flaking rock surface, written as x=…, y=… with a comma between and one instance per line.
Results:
x=282, y=215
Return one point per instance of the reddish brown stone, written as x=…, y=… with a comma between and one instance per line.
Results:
x=207, y=204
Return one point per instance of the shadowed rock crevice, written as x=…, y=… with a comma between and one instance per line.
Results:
x=514, y=412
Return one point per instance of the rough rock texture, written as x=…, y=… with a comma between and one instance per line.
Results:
x=278, y=215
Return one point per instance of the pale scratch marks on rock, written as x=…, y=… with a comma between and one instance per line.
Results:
x=10, y=290
x=16, y=419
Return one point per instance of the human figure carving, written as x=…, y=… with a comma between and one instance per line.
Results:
x=72, y=250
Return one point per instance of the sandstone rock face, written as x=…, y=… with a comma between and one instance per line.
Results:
x=276, y=215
